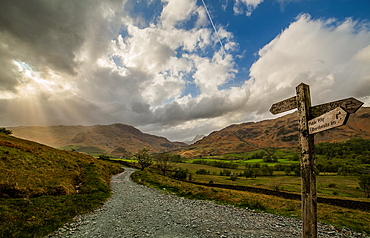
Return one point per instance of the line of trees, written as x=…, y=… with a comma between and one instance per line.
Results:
x=344, y=158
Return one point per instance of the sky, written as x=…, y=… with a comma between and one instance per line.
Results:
x=176, y=68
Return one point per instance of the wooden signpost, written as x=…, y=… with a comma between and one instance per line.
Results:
x=313, y=120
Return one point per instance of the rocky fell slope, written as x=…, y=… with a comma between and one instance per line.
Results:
x=280, y=132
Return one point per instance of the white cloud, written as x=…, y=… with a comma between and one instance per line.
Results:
x=249, y=4
x=212, y=73
x=324, y=54
x=176, y=12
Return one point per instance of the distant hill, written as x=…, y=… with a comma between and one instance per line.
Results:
x=280, y=132
x=116, y=139
x=120, y=138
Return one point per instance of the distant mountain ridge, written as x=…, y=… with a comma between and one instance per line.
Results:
x=113, y=139
x=279, y=132
x=122, y=139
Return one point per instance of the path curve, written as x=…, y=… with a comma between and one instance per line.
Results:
x=137, y=211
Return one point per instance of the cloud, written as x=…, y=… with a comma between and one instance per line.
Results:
x=329, y=55
x=249, y=4
x=90, y=62
x=176, y=12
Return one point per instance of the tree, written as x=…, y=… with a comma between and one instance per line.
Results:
x=256, y=172
x=164, y=162
x=144, y=158
x=202, y=172
x=181, y=174
x=5, y=131
x=248, y=173
x=267, y=170
x=104, y=157
x=287, y=170
x=365, y=184
x=234, y=177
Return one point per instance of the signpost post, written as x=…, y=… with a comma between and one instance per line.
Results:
x=313, y=120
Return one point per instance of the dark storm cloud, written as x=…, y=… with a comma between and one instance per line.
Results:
x=48, y=33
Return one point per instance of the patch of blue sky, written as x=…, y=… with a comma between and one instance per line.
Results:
x=192, y=89
x=145, y=12
x=117, y=60
x=188, y=24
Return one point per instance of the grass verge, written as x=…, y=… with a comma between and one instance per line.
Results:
x=354, y=219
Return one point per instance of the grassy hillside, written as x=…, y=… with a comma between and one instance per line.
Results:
x=41, y=188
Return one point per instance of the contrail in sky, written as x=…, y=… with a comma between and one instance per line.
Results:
x=214, y=27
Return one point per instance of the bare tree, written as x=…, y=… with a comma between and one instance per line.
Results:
x=164, y=162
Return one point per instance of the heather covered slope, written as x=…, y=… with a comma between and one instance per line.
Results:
x=279, y=132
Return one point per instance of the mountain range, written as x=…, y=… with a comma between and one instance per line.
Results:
x=120, y=139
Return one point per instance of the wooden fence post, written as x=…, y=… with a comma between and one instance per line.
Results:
x=308, y=166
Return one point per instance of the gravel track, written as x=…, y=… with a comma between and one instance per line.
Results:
x=137, y=211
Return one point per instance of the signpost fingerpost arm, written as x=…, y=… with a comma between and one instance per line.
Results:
x=308, y=167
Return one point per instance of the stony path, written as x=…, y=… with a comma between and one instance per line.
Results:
x=138, y=211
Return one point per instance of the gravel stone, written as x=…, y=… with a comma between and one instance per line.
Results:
x=137, y=211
